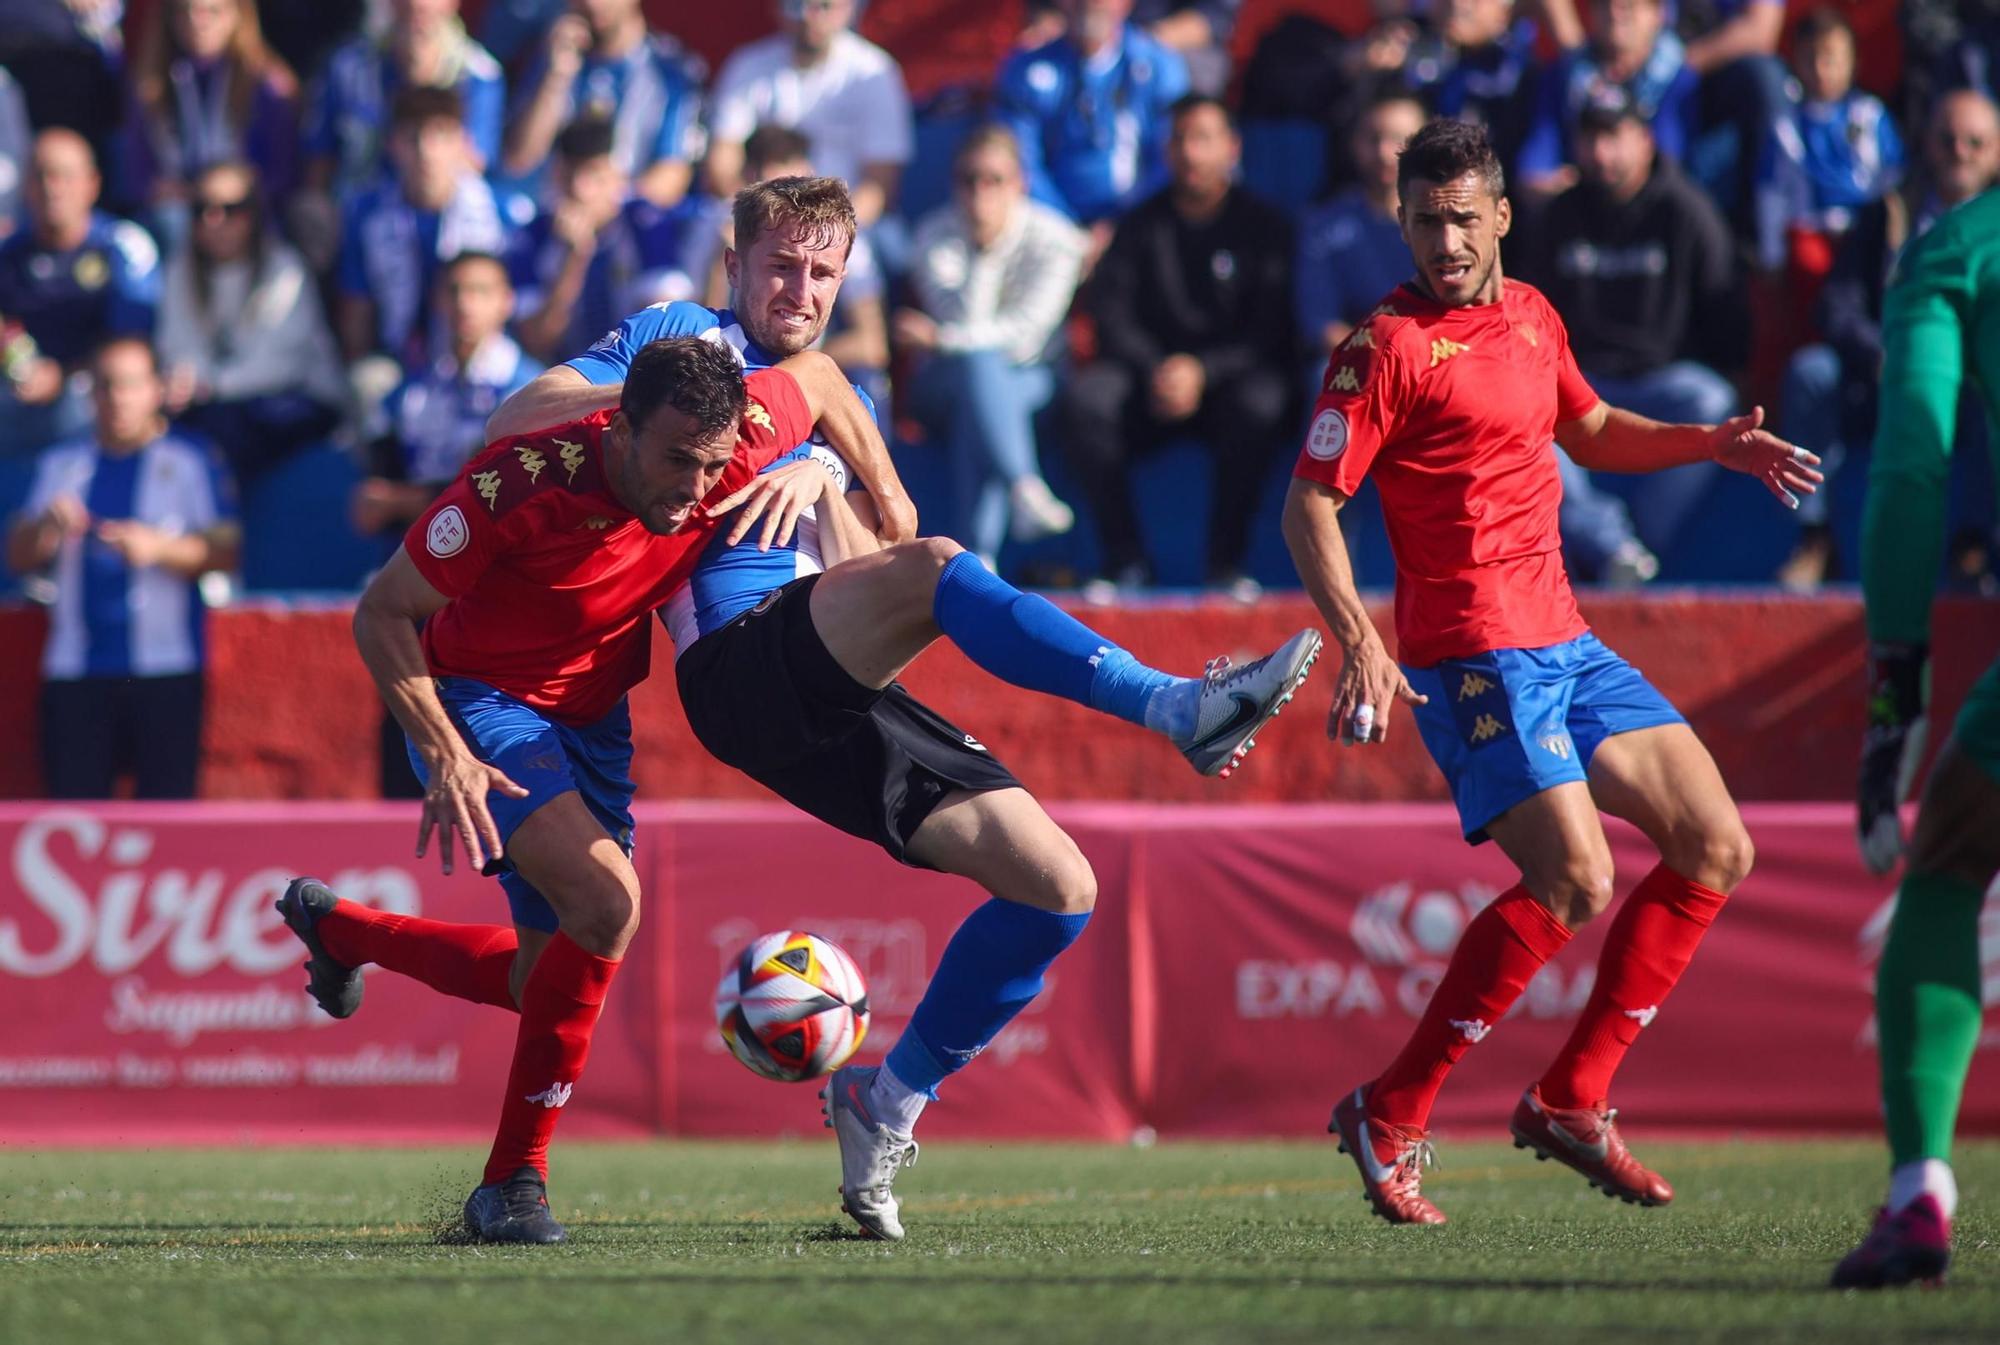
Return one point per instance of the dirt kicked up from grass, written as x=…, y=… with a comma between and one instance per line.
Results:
x=682, y=1242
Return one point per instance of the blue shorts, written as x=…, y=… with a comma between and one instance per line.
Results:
x=546, y=759
x=1505, y=725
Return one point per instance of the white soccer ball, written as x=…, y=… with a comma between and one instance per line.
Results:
x=792, y=1006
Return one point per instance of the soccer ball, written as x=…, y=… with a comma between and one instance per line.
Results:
x=792, y=1006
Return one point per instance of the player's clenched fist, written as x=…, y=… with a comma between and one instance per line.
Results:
x=1370, y=682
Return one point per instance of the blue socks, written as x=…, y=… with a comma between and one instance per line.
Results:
x=990, y=970
x=1029, y=641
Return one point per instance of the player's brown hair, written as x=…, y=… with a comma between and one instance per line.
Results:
x=817, y=210
x=700, y=379
x=1446, y=150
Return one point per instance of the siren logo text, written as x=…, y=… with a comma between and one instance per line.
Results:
x=94, y=894
x=1403, y=937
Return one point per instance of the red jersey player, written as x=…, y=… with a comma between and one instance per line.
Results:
x=533, y=579
x=1450, y=393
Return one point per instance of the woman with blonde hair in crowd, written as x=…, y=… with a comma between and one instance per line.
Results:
x=206, y=88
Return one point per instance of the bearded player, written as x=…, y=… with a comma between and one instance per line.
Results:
x=788, y=674
x=1450, y=393
x=1940, y=323
x=504, y=636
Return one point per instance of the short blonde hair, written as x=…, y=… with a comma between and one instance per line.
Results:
x=817, y=209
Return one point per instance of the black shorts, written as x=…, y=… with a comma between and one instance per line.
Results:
x=762, y=694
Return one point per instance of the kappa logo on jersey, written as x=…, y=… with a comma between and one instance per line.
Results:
x=1344, y=379
x=1486, y=728
x=1385, y=311
x=1327, y=439
x=532, y=461
x=754, y=412
x=447, y=534
x=570, y=454
x=597, y=523
x=555, y=1095
x=1361, y=338
x=488, y=485
x=1475, y=684
x=1442, y=350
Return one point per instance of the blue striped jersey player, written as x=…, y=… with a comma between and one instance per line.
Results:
x=788, y=673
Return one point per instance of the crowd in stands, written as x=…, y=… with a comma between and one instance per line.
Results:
x=370, y=240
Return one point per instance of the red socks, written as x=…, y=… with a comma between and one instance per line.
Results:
x=1499, y=953
x=467, y=961
x=1649, y=946
x=559, y=1008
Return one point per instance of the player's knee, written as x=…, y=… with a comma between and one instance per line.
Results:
x=1581, y=891
x=1719, y=856
x=1072, y=885
x=604, y=922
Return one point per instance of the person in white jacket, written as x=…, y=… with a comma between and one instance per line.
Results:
x=250, y=360
x=993, y=274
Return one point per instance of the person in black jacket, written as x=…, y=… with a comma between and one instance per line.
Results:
x=1193, y=307
x=1641, y=266
x=1828, y=400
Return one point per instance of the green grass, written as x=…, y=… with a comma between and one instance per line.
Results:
x=694, y=1242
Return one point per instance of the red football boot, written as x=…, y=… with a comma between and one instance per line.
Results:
x=1912, y=1247
x=1391, y=1159
x=1587, y=1139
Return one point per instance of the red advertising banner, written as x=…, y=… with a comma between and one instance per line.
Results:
x=1245, y=965
x=1303, y=943
x=150, y=993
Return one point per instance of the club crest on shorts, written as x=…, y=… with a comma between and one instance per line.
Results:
x=447, y=534
x=1327, y=439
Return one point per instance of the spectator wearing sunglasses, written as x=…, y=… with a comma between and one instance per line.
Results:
x=251, y=361
x=993, y=273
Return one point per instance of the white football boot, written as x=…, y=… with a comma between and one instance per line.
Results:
x=870, y=1152
x=1236, y=702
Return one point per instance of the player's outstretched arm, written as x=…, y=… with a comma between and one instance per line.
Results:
x=848, y=427
x=385, y=631
x=555, y=397
x=1370, y=682
x=1607, y=439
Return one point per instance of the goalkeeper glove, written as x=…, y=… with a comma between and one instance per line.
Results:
x=1892, y=747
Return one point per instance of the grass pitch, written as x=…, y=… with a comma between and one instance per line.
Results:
x=679, y=1242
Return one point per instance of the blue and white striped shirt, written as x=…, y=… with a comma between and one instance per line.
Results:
x=110, y=619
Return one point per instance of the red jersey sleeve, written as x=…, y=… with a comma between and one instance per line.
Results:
x=476, y=518
x=776, y=419
x=1362, y=400
x=1574, y=395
